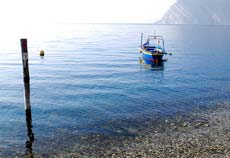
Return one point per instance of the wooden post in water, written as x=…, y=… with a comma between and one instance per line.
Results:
x=26, y=77
x=26, y=74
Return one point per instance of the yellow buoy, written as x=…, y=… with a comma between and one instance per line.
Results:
x=42, y=53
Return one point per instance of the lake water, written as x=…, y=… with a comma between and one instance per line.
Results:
x=91, y=75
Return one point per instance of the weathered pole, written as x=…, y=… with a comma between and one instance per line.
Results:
x=26, y=74
x=26, y=78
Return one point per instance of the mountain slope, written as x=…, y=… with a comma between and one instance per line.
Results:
x=204, y=12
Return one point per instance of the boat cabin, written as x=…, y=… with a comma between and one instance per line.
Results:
x=154, y=42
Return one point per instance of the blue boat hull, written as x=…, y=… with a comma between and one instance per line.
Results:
x=152, y=59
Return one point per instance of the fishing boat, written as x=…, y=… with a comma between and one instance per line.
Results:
x=153, y=50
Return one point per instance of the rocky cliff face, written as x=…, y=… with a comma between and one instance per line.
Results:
x=204, y=12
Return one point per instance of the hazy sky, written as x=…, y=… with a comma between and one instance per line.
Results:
x=89, y=11
x=39, y=18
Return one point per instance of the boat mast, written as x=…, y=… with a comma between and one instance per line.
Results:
x=141, y=38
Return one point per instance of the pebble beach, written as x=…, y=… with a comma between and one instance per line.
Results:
x=201, y=133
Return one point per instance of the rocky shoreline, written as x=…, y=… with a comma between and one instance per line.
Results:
x=204, y=133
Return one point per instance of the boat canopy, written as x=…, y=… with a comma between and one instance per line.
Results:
x=155, y=37
x=155, y=41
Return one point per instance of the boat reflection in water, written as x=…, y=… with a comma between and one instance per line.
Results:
x=30, y=134
x=153, y=66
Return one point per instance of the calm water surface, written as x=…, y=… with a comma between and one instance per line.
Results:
x=91, y=75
